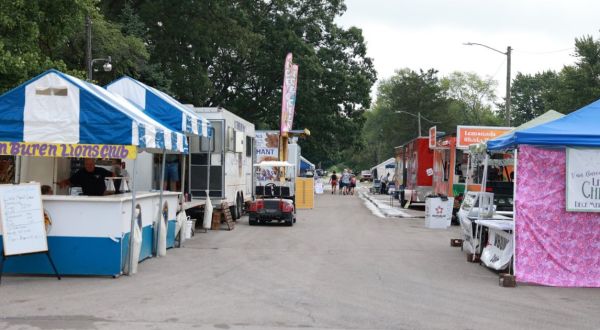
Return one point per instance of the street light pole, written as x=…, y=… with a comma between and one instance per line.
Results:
x=508, y=54
x=88, y=49
x=508, y=60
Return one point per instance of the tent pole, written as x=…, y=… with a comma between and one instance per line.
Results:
x=18, y=161
x=483, y=183
x=208, y=160
x=514, y=233
x=54, y=175
x=160, y=204
x=133, y=219
x=468, y=176
x=182, y=201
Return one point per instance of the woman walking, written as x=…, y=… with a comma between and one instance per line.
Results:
x=352, y=184
x=333, y=180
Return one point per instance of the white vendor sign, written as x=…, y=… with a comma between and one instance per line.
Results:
x=583, y=180
x=499, y=249
x=438, y=212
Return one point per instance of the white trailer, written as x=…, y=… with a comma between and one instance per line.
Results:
x=231, y=157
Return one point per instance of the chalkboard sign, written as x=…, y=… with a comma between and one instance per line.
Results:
x=22, y=219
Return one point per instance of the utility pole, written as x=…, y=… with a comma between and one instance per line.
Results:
x=418, y=115
x=508, y=53
x=88, y=51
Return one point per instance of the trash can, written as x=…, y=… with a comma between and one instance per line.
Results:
x=438, y=211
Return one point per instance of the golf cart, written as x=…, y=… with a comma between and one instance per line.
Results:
x=274, y=194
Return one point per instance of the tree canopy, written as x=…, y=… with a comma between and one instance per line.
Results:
x=207, y=53
x=565, y=91
x=231, y=54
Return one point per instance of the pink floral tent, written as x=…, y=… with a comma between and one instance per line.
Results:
x=553, y=246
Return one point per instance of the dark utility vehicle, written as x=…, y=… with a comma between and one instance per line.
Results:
x=274, y=199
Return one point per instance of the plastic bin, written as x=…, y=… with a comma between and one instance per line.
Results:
x=438, y=211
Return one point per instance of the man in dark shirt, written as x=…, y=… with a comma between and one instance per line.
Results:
x=90, y=179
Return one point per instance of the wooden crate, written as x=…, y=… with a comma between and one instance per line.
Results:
x=216, y=219
x=507, y=280
x=456, y=242
x=227, y=218
x=473, y=257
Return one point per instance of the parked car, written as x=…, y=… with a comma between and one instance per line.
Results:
x=366, y=176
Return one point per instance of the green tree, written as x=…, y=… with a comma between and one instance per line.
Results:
x=472, y=99
x=568, y=90
x=532, y=95
x=38, y=35
x=21, y=43
x=231, y=54
x=408, y=91
x=580, y=83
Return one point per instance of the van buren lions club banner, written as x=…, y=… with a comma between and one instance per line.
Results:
x=583, y=180
x=68, y=150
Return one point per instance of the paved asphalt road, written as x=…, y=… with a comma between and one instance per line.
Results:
x=339, y=267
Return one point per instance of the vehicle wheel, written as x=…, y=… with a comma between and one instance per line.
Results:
x=252, y=220
x=289, y=221
x=233, y=210
x=240, y=204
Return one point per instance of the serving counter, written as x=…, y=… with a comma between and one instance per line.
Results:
x=89, y=235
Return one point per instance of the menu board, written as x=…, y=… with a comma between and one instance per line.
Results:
x=22, y=219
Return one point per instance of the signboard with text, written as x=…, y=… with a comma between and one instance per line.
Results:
x=432, y=137
x=468, y=135
x=22, y=219
x=583, y=180
x=267, y=146
x=104, y=151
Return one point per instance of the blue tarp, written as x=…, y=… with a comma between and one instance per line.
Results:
x=305, y=164
x=160, y=106
x=579, y=128
x=57, y=108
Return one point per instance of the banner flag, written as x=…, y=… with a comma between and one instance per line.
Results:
x=288, y=102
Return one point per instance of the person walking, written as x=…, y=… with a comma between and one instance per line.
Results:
x=345, y=181
x=352, y=184
x=333, y=180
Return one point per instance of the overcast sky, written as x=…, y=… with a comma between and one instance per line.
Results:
x=430, y=34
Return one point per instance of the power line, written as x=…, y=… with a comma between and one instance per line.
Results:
x=546, y=52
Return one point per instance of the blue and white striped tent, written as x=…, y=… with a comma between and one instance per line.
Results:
x=55, y=107
x=160, y=106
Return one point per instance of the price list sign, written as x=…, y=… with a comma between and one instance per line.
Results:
x=22, y=219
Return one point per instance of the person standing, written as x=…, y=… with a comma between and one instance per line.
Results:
x=171, y=173
x=384, y=183
x=90, y=178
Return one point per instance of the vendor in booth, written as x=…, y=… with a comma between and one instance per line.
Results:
x=90, y=178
